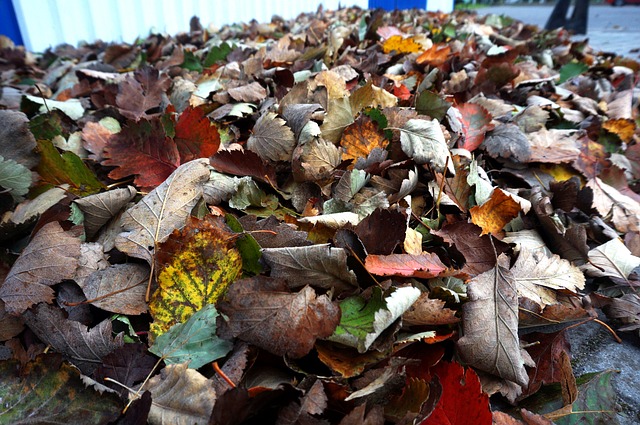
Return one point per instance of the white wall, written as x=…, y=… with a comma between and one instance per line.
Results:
x=46, y=23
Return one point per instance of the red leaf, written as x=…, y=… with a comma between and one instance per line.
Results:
x=142, y=149
x=476, y=121
x=462, y=401
x=243, y=163
x=196, y=136
x=425, y=266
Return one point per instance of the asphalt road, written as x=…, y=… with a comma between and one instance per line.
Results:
x=610, y=29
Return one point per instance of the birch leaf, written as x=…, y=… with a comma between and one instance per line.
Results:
x=163, y=210
x=490, y=325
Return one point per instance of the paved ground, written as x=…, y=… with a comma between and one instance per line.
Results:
x=610, y=29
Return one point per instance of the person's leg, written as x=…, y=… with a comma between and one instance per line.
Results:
x=558, y=17
x=579, y=17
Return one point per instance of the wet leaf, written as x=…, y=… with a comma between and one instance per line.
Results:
x=48, y=390
x=51, y=257
x=195, y=267
x=263, y=312
x=193, y=342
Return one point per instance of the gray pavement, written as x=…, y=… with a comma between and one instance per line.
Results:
x=610, y=29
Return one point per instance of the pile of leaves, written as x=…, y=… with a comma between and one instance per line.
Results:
x=356, y=217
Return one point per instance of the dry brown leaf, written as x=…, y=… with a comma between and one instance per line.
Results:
x=272, y=139
x=624, y=211
x=180, y=396
x=427, y=311
x=554, y=146
x=163, y=210
x=98, y=209
x=51, y=257
x=490, y=325
x=120, y=288
x=612, y=259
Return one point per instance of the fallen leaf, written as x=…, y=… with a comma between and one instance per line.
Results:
x=243, y=163
x=15, y=178
x=623, y=128
x=271, y=139
x=360, y=138
x=490, y=325
x=120, y=288
x=436, y=56
x=318, y=159
x=195, y=135
x=180, y=395
x=612, y=259
x=252, y=92
x=128, y=365
x=163, y=210
x=83, y=347
x=17, y=143
x=626, y=309
x=494, y=214
x=428, y=311
x=51, y=257
x=339, y=116
x=370, y=96
x=48, y=390
x=97, y=135
x=382, y=230
x=139, y=96
x=312, y=404
x=263, y=312
x=193, y=342
x=98, y=209
x=195, y=267
x=476, y=121
x=362, y=321
x=624, y=211
x=425, y=265
x=509, y=142
x=400, y=44
x=424, y=141
x=320, y=266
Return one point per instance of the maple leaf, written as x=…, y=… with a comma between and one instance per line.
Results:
x=195, y=266
x=263, y=312
x=139, y=96
x=142, y=149
x=51, y=256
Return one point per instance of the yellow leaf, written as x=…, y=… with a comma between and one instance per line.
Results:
x=195, y=267
x=400, y=44
x=623, y=128
x=494, y=214
x=360, y=138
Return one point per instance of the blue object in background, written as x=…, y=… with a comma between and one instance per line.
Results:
x=397, y=4
x=9, y=22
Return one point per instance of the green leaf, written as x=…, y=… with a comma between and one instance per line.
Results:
x=15, y=177
x=47, y=126
x=57, y=169
x=572, y=69
x=362, y=321
x=191, y=62
x=250, y=195
x=248, y=247
x=431, y=104
x=48, y=390
x=194, y=341
x=218, y=53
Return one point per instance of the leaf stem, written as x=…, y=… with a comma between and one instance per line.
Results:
x=222, y=374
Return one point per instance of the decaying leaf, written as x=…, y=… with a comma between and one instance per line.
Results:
x=120, y=288
x=263, y=312
x=162, y=211
x=490, y=325
x=180, y=396
x=51, y=257
x=195, y=267
x=98, y=209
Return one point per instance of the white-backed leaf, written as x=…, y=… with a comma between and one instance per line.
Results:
x=424, y=141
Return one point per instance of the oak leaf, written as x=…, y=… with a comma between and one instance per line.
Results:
x=494, y=214
x=490, y=325
x=51, y=256
x=163, y=210
x=262, y=311
x=195, y=267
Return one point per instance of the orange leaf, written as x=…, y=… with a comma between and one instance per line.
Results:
x=360, y=138
x=435, y=56
x=494, y=214
x=424, y=266
x=623, y=128
x=476, y=121
x=400, y=45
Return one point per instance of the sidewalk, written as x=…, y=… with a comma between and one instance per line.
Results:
x=610, y=29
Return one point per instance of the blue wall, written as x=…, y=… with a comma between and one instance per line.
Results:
x=398, y=4
x=9, y=23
